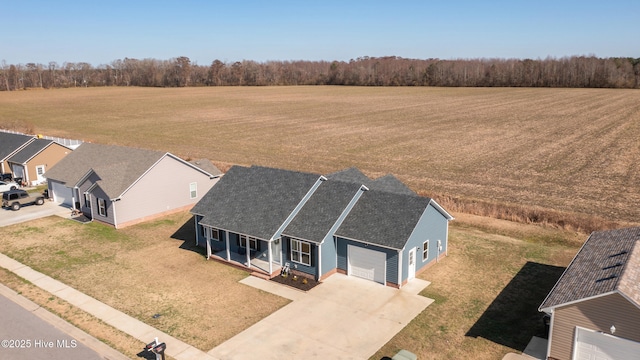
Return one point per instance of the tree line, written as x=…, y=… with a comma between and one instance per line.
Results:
x=574, y=72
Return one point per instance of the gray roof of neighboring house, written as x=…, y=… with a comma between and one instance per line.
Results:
x=9, y=143
x=206, y=165
x=323, y=209
x=29, y=151
x=388, y=183
x=254, y=201
x=609, y=261
x=118, y=167
x=383, y=218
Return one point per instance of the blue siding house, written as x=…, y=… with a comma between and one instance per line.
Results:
x=263, y=219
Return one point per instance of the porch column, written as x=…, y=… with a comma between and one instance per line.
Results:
x=269, y=257
x=248, y=248
x=207, y=231
x=319, y=262
x=195, y=219
x=226, y=238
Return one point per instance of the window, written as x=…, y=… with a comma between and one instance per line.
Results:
x=102, y=207
x=253, y=243
x=40, y=170
x=87, y=200
x=193, y=190
x=301, y=252
x=215, y=234
x=425, y=250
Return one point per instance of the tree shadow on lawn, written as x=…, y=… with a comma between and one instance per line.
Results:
x=187, y=234
x=513, y=318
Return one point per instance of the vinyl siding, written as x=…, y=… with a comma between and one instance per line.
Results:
x=96, y=194
x=328, y=253
x=93, y=209
x=596, y=314
x=311, y=270
x=432, y=226
x=48, y=157
x=163, y=189
x=392, y=257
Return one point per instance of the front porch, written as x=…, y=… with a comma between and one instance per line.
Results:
x=258, y=264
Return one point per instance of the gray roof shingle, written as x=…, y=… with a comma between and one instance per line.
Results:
x=254, y=201
x=118, y=167
x=30, y=151
x=9, y=143
x=390, y=183
x=321, y=212
x=206, y=165
x=608, y=261
x=383, y=218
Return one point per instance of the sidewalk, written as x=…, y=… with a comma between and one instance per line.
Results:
x=175, y=348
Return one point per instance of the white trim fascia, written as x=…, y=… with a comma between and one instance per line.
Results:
x=298, y=207
x=550, y=308
x=43, y=149
x=441, y=209
x=141, y=176
x=345, y=213
x=400, y=268
x=211, y=176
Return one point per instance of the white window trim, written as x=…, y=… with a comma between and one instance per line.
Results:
x=425, y=256
x=87, y=200
x=300, y=252
x=102, y=207
x=212, y=231
x=253, y=242
x=193, y=190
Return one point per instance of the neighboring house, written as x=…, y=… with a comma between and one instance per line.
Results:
x=10, y=144
x=122, y=186
x=33, y=160
x=263, y=219
x=595, y=305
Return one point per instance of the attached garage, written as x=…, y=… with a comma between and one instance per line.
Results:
x=593, y=345
x=62, y=194
x=367, y=264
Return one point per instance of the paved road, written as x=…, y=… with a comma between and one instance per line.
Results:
x=25, y=336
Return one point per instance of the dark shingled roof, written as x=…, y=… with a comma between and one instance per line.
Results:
x=388, y=183
x=11, y=142
x=321, y=212
x=608, y=261
x=383, y=218
x=254, y=201
x=352, y=175
x=30, y=151
x=117, y=166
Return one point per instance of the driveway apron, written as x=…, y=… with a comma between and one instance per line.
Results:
x=342, y=318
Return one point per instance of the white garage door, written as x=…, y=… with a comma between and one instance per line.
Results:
x=367, y=264
x=62, y=194
x=592, y=345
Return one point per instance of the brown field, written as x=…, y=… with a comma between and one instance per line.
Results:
x=574, y=151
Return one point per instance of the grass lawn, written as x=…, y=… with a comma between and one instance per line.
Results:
x=143, y=270
x=487, y=290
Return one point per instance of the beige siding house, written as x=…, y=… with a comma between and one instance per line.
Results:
x=122, y=186
x=595, y=305
x=32, y=162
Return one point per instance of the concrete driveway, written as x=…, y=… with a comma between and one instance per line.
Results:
x=342, y=318
x=31, y=212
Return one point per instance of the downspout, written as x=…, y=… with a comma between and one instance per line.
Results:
x=113, y=205
x=207, y=233
x=400, y=268
x=319, y=261
x=269, y=256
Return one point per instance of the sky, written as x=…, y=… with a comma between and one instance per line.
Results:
x=208, y=30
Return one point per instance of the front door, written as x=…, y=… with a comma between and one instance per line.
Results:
x=276, y=251
x=412, y=264
x=40, y=173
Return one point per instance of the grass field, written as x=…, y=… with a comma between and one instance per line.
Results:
x=486, y=291
x=572, y=150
